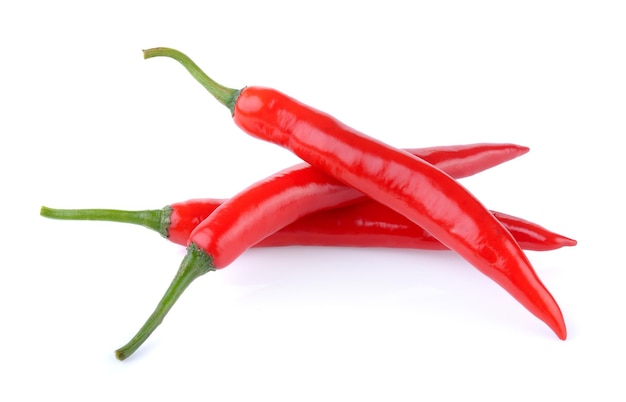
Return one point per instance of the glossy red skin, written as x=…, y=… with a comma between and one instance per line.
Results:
x=531, y=236
x=466, y=160
x=264, y=208
x=458, y=160
x=410, y=186
x=370, y=224
x=272, y=203
x=185, y=216
x=364, y=224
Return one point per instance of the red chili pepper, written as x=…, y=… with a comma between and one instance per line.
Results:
x=370, y=224
x=367, y=224
x=407, y=184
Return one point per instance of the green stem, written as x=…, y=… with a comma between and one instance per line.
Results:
x=157, y=219
x=195, y=264
x=226, y=96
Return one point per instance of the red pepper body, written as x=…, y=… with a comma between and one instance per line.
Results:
x=458, y=160
x=408, y=185
x=364, y=224
x=271, y=204
x=266, y=207
x=370, y=224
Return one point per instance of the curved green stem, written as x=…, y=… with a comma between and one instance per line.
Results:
x=156, y=219
x=226, y=96
x=195, y=264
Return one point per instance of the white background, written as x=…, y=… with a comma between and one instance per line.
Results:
x=86, y=122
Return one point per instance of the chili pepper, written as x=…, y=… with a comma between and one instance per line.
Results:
x=365, y=224
x=405, y=183
x=371, y=226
